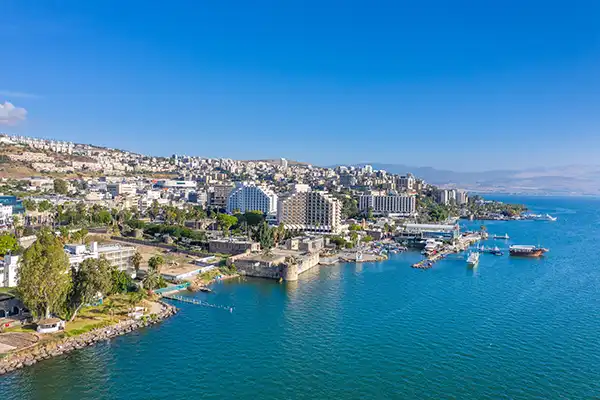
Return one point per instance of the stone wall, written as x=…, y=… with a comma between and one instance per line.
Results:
x=32, y=355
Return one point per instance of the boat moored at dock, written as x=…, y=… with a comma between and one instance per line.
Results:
x=526, y=251
x=502, y=237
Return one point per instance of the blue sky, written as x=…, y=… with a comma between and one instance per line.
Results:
x=464, y=85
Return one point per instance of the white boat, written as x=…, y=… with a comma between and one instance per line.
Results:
x=504, y=237
x=473, y=258
x=430, y=246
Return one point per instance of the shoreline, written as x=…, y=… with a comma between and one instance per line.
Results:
x=38, y=352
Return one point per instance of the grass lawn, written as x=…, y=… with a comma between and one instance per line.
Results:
x=8, y=290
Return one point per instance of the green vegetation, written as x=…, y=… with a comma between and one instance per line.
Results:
x=61, y=186
x=91, y=277
x=225, y=222
x=43, y=284
x=8, y=244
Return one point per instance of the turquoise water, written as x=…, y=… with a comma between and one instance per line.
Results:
x=512, y=328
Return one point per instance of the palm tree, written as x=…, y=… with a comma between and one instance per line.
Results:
x=136, y=260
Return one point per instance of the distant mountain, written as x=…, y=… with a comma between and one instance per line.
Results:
x=571, y=179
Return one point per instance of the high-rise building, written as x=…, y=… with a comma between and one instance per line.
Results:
x=251, y=197
x=462, y=197
x=389, y=204
x=313, y=211
x=218, y=195
x=284, y=163
x=406, y=183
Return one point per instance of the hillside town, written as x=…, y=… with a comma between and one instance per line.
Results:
x=153, y=224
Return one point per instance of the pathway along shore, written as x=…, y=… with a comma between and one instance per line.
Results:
x=38, y=352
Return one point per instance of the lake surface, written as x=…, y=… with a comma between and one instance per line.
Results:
x=512, y=328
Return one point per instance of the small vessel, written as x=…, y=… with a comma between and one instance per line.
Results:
x=473, y=258
x=526, y=251
x=496, y=251
x=504, y=237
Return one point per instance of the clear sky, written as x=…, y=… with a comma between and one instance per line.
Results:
x=464, y=85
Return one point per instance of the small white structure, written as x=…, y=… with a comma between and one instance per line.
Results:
x=137, y=313
x=50, y=325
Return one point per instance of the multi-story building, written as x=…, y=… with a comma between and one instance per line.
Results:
x=406, y=183
x=121, y=189
x=172, y=184
x=218, y=195
x=8, y=271
x=462, y=197
x=307, y=210
x=447, y=196
x=6, y=215
x=251, y=197
x=117, y=255
x=388, y=204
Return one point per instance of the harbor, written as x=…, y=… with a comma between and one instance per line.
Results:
x=459, y=245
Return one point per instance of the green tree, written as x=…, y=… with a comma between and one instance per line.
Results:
x=29, y=205
x=91, y=277
x=136, y=260
x=154, y=210
x=254, y=218
x=120, y=281
x=44, y=206
x=155, y=263
x=226, y=221
x=8, y=244
x=43, y=281
x=264, y=235
x=61, y=187
x=367, y=238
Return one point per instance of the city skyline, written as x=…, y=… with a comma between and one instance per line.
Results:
x=466, y=89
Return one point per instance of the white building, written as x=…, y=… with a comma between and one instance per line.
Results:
x=447, y=196
x=8, y=271
x=6, y=217
x=462, y=197
x=313, y=211
x=385, y=205
x=173, y=184
x=117, y=255
x=251, y=197
x=121, y=189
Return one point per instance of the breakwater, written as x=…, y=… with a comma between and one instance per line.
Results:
x=43, y=351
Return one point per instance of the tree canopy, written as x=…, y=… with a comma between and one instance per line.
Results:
x=91, y=277
x=60, y=186
x=8, y=244
x=43, y=278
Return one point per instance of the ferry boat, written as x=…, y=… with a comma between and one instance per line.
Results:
x=504, y=237
x=526, y=251
x=473, y=259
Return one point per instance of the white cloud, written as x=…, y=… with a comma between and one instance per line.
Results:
x=11, y=115
x=22, y=95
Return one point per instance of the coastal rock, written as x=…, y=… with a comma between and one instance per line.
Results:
x=30, y=356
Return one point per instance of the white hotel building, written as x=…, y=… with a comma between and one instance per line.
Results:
x=386, y=205
x=251, y=197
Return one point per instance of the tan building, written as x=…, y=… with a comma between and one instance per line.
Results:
x=312, y=211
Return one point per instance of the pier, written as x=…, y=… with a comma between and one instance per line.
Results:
x=197, y=302
x=462, y=244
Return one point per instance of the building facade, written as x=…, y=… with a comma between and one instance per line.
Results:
x=391, y=204
x=250, y=197
x=6, y=215
x=311, y=211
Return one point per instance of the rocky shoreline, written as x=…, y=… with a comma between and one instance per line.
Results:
x=31, y=355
